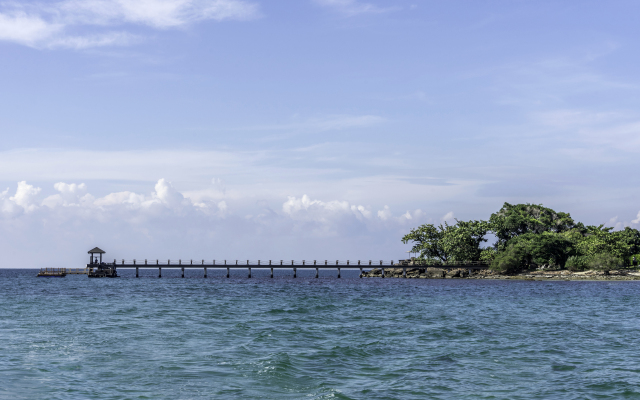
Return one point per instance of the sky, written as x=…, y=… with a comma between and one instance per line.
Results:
x=306, y=129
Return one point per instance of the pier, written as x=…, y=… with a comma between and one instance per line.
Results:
x=98, y=268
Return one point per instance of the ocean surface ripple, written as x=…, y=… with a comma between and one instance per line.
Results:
x=285, y=338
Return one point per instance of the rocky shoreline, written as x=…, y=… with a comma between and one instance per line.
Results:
x=461, y=273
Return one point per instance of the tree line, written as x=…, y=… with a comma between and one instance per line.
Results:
x=527, y=236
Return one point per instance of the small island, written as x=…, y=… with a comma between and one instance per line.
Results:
x=531, y=242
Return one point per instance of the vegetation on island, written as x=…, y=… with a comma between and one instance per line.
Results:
x=527, y=236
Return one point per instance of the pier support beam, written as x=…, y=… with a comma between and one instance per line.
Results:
x=205, y=272
x=404, y=272
x=360, y=272
x=136, y=272
x=227, y=272
x=249, y=272
x=295, y=272
x=159, y=272
x=316, y=272
x=271, y=272
x=182, y=272
x=338, y=273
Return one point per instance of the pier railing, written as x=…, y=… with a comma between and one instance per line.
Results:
x=63, y=271
x=190, y=263
x=244, y=263
x=284, y=264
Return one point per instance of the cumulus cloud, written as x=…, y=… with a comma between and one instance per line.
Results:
x=637, y=220
x=164, y=197
x=164, y=221
x=304, y=208
x=52, y=24
x=385, y=213
x=69, y=195
x=416, y=217
x=26, y=196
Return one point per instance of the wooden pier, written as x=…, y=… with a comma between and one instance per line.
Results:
x=291, y=265
x=62, y=271
x=77, y=271
x=102, y=269
x=52, y=272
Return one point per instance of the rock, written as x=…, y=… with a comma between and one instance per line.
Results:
x=435, y=273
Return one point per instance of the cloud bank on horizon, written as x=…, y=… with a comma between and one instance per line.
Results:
x=246, y=128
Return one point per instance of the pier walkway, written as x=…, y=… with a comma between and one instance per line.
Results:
x=282, y=264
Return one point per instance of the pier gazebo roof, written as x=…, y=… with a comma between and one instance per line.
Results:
x=96, y=250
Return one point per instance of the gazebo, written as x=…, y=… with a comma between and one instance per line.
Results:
x=95, y=250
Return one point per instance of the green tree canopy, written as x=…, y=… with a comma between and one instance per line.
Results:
x=544, y=248
x=527, y=235
x=600, y=240
x=515, y=220
x=460, y=241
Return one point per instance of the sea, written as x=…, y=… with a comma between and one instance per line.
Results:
x=307, y=338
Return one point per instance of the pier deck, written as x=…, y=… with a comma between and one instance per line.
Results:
x=282, y=264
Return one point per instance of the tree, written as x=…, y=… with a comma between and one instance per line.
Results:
x=604, y=262
x=512, y=260
x=458, y=242
x=544, y=248
x=601, y=240
x=515, y=220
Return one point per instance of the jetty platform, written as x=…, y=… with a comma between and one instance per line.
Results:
x=98, y=268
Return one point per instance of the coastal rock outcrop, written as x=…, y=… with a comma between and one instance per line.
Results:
x=458, y=273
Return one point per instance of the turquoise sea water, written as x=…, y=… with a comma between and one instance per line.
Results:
x=306, y=338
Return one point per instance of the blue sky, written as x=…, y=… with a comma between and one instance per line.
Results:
x=306, y=129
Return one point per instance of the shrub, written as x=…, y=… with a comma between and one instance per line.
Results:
x=577, y=263
x=604, y=262
x=510, y=261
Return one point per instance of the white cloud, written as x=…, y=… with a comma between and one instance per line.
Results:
x=306, y=209
x=166, y=219
x=416, y=217
x=637, y=220
x=353, y=7
x=448, y=218
x=26, y=196
x=70, y=195
x=51, y=25
x=385, y=213
x=26, y=29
